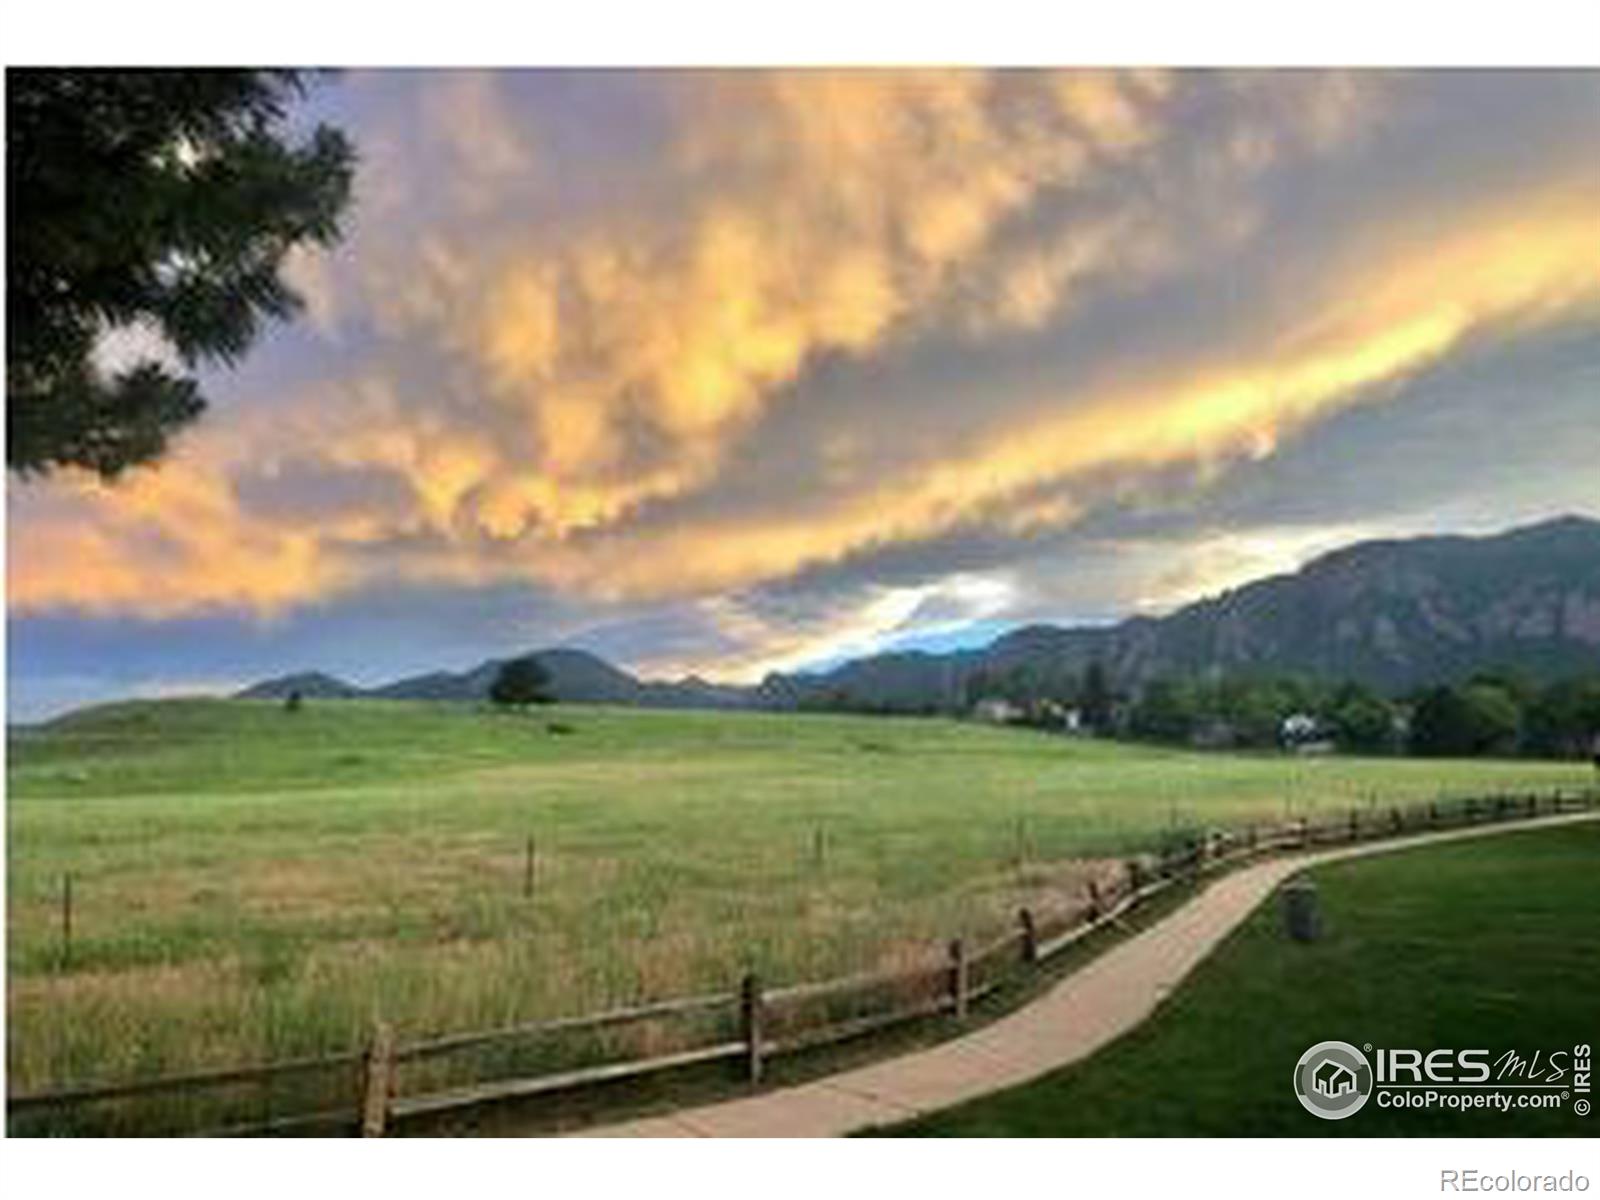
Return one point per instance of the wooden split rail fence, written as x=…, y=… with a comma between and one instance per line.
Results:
x=365, y=1091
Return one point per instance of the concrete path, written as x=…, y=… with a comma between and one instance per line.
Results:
x=1083, y=1012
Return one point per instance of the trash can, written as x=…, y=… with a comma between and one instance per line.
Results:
x=1302, y=915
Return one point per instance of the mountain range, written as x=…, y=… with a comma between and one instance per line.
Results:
x=1392, y=614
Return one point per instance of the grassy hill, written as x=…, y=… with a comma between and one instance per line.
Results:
x=251, y=883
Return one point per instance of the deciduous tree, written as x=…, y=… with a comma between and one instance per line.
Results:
x=521, y=682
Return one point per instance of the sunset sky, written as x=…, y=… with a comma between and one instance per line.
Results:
x=735, y=372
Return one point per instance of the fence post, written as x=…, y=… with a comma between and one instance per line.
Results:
x=379, y=1081
x=958, y=978
x=1433, y=812
x=1030, y=936
x=1355, y=825
x=1095, y=905
x=1305, y=833
x=750, y=1009
x=66, y=920
x=1135, y=879
x=1395, y=821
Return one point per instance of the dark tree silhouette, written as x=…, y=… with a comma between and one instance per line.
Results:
x=1563, y=721
x=1363, y=720
x=1476, y=719
x=1096, y=701
x=1167, y=711
x=156, y=199
x=521, y=682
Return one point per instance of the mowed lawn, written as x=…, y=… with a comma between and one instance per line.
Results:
x=250, y=883
x=1489, y=944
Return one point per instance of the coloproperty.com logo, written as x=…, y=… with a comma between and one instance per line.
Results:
x=1334, y=1080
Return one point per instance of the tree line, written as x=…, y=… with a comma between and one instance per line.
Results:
x=1494, y=712
x=1489, y=713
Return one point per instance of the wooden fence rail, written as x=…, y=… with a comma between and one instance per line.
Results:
x=967, y=976
x=606, y=1020
x=183, y=1083
x=457, y=1099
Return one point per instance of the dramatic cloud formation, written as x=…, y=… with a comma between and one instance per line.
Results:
x=732, y=371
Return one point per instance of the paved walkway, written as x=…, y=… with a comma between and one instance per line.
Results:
x=1083, y=1012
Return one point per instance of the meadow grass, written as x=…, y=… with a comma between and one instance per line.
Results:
x=1486, y=944
x=251, y=884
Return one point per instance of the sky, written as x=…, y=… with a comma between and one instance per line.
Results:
x=731, y=372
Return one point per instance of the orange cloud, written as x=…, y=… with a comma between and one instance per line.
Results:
x=601, y=378
x=825, y=212
x=1375, y=326
x=171, y=543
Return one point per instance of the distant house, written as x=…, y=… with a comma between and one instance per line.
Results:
x=1298, y=727
x=997, y=711
x=1052, y=714
x=1304, y=734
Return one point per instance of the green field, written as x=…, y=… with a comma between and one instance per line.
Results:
x=1487, y=944
x=250, y=883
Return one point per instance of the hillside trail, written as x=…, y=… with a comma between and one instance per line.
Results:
x=1077, y=1016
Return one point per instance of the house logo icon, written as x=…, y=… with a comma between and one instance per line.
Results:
x=1332, y=1080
